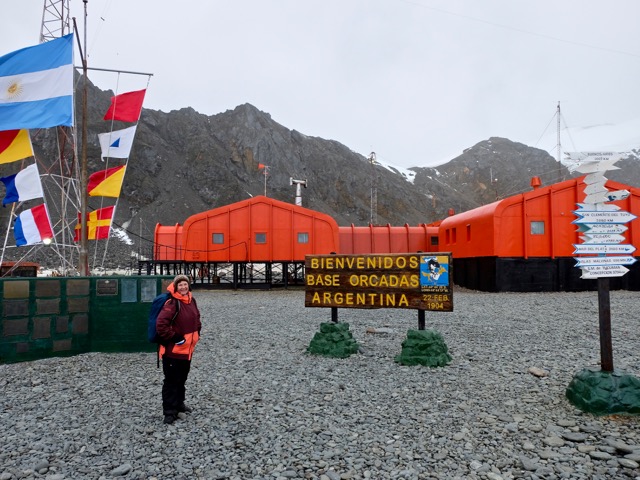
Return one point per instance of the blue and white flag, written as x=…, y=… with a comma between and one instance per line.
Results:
x=36, y=86
x=24, y=185
x=117, y=144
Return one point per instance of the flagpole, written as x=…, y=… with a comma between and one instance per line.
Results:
x=6, y=237
x=83, y=256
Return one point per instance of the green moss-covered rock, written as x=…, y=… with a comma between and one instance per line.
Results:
x=605, y=393
x=333, y=340
x=424, y=347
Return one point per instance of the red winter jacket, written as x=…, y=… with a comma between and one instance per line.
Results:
x=186, y=326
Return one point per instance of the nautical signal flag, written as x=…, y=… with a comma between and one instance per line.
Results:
x=98, y=224
x=126, y=107
x=24, y=185
x=36, y=86
x=117, y=144
x=106, y=183
x=14, y=145
x=33, y=226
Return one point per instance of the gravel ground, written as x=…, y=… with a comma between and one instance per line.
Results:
x=265, y=409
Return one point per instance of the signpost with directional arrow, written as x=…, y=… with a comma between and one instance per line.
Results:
x=602, y=255
x=601, y=226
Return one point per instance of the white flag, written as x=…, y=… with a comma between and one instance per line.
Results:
x=117, y=144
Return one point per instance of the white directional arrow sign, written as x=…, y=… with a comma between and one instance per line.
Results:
x=591, y=162
x=602, y=207
x=604, y=271
x=593, y=167
x=602, y=238
x=596, y=177
x=614, y=260
x=596, y=228
x=592, y=156
x=597, y=187
x=600, y=223
x=618, y=195
x=587, y=216
x=598, y=197
x=603, y=249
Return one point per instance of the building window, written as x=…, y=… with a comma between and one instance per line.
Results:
x=261, y=238
x=537, y=228
x=218, y=238
x=303, y=237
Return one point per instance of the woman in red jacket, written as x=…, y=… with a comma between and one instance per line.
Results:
x=178, y=325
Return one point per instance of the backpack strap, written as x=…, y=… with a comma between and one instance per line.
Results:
x=173, y=319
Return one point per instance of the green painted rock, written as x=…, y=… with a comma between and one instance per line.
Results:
x=605, y=393
x=424, y=347
x=333, y=340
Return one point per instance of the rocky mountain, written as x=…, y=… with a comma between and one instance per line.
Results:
x=184, y=162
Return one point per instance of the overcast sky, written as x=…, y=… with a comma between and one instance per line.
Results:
x=416, y=81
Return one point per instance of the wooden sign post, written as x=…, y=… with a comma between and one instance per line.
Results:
x=405, y=280
x=601, y=225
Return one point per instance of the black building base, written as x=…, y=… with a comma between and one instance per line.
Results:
x=493, y=274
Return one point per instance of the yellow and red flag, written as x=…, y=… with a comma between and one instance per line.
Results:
x=98, y=224
x=14, y=145
x=106, y=183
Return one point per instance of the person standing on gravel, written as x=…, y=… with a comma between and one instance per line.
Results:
x=178, y=326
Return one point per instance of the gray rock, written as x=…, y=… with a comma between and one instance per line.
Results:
x=553, y=441
x=263, y=408
x=122, y=470
x=574, y=436
x=626, y=463
x=598, y=455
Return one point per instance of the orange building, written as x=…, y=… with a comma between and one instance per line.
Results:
x=526, y=242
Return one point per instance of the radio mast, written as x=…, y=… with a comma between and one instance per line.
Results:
x=374, y=190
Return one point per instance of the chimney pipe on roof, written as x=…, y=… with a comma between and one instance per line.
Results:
x=535, y=182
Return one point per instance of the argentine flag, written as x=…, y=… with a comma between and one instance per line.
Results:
x=36, y=86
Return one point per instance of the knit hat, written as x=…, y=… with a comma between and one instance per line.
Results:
x=180, y=278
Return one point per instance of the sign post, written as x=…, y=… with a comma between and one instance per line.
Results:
x=602, y=226
x=413, y=280
x=404, y=280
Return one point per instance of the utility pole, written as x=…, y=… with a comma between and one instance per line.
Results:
x=559, y=146
x=374, y=190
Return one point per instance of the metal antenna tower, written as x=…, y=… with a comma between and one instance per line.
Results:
x=559, y=146
x=374, y=190
x=55, y=20
x=60, y=176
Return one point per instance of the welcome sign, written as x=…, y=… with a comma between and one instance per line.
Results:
x=417, y=281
